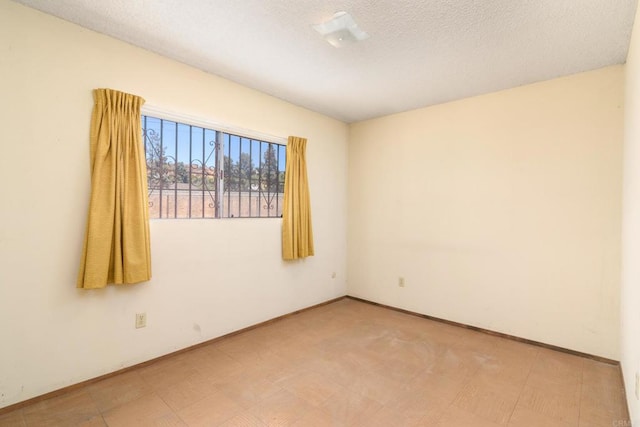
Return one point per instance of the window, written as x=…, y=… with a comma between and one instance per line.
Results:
x=195, y=172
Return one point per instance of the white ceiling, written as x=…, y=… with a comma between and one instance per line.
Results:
x=421, y=52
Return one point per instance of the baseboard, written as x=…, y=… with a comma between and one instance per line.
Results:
x=490, y=332
x=76, y=386
x=72, y=387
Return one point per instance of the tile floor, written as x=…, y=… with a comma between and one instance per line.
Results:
x=349, y=364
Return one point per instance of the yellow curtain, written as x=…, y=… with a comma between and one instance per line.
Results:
x=116, y=246
x=297, y=233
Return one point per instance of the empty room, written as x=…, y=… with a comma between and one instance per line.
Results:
x=320, y=213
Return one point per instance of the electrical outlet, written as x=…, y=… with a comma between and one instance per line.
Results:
x=637, y=385
x=141, y=320
x=401, y=282
x=333, y=275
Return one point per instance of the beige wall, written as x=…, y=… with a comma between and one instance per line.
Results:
x=630, y=289
x=210, y=276
x=500, y=211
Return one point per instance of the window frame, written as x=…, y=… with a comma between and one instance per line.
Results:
x=220, y=150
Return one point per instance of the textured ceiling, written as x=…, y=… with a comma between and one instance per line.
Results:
x=421, y=52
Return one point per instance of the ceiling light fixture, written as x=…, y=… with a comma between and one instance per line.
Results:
x=341, y=30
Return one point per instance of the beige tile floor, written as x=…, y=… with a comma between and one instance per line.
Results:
x=349, y=364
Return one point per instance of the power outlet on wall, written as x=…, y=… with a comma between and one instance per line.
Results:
x=401, y=282
x=141, y=320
